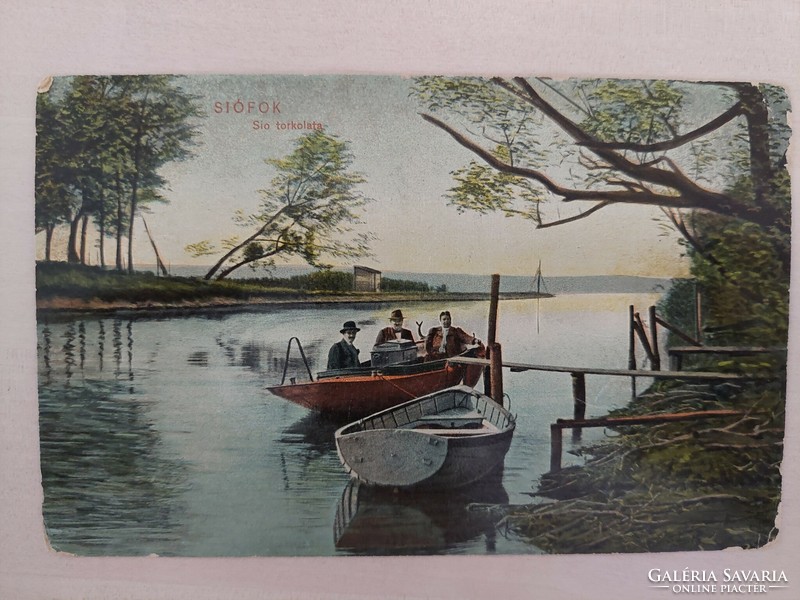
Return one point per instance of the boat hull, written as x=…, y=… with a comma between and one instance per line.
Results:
x=361, y=394
x=411, y=445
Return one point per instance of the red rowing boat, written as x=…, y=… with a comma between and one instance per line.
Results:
x=363, y=391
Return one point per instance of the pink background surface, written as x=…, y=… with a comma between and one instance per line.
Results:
x=718, y=40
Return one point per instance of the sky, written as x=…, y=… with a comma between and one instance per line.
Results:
x=407, y=163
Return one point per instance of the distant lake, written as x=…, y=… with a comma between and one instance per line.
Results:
x=455, y=282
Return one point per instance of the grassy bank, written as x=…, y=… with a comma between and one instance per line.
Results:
x=64, y=287
x=703, y=486
x=77, y=282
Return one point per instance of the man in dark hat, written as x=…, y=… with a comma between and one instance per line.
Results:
x=396, y=331
x=343, y=354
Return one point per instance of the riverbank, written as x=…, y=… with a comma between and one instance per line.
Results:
x=708, y=485
x=65, y=289
x=66, y=305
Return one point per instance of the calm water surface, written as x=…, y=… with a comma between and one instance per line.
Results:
x=158, y=437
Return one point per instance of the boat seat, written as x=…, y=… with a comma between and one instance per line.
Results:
x=447, y=432
x=443, y=422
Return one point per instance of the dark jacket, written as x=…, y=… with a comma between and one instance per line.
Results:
x=387, y=333
x=343, y=356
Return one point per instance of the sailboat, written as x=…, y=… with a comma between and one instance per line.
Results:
x=539, y=285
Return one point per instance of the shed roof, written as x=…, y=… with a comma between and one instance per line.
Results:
x=367, y=269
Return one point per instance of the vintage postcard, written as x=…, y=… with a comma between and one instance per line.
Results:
x=268, y=320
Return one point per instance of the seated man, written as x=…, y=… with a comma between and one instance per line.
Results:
x=446, y=341
x=396, y=331
x=343, y=354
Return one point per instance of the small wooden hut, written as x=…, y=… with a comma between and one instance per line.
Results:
x=366, y=279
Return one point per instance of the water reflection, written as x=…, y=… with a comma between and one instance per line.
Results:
x=157, y=436
x=44, y=348
x=107, y=487
x=314, y=431
x=372, y=520
x=198, y=358
x=266, y=358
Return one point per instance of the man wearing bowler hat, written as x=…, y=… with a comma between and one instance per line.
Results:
x=343, y=354
x=396, y=331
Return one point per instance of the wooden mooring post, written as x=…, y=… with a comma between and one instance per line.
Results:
x=556, y=447
x=496, y=369
x=632, y=348
x=491, y=334
x=578, y=402
x=656, y=357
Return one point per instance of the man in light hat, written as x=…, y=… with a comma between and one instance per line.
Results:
x=343, y=354
x=396, y=331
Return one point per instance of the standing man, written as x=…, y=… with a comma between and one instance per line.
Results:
x=396, y=331
x=343, y=354
x=446, y=341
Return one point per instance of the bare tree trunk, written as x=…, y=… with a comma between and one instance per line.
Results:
x=130, y=225
x=72, y=252
x=118, y=257
x=84, y=225
x=238, y=247
x=755, y=110
x=102, y=227
x=48, y=242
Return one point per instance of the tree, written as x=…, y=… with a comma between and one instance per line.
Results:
x=718, y=175
x=617, y=142
x=160, y=130
x=100, y=144
x=53, y=196
x=307, y=211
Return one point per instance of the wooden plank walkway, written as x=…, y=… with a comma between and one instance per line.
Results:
x=578, y=375
x=685, y=375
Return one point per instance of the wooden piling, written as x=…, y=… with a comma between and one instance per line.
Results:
x=631, y=340
x=496, y=369
x=698, y=313
x=555, y=447
x=579, y=402
x=631, y=349
x=491, y=334
x=656, y=362
x=639, y=327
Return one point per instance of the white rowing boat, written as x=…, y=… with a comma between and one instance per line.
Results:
x=449, y=438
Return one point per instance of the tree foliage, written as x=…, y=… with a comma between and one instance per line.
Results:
x=309, y=211
x=711, y=156
x=101, y=141
x=606, y=142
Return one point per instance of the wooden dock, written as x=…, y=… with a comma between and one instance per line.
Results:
x=578, y=375
x=579, y=421
x=687, y=375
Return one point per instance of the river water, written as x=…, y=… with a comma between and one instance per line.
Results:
x=158, y=436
